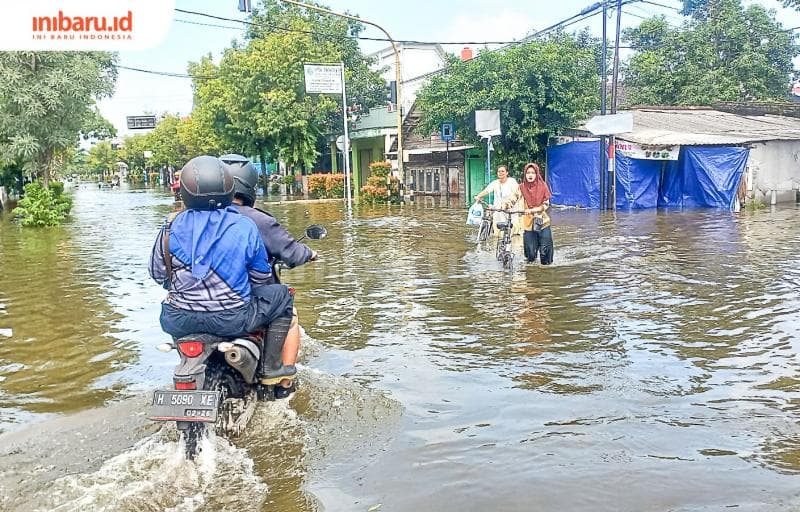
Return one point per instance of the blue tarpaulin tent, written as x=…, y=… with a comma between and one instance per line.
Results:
x=703, y=176
x=572, y=173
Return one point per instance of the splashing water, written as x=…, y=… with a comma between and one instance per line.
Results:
x=155, y=475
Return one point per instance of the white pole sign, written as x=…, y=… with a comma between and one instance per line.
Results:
x=321, y=79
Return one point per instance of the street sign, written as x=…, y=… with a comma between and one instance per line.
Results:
x=448, y=132
x=141, y=122
x=611, y=124
x=340, y=143
x=487, y=122
x=322, y=79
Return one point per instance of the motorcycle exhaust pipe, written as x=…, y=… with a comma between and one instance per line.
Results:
x=242, y=355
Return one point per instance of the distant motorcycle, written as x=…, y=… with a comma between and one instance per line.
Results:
x=215, y=382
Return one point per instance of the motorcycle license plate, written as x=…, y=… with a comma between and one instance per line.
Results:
x=175, y=405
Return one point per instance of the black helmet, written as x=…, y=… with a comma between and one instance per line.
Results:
x=245, y=178
x=206, y=183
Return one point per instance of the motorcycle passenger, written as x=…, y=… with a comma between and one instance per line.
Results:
x=279, y=243
x=217, y=274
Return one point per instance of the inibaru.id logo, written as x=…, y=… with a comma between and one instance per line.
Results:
x=84, y=27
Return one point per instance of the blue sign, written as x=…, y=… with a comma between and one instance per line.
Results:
x=448, y=132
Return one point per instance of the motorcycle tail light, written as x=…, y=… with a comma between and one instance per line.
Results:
x=191, y=348
x=185, y=385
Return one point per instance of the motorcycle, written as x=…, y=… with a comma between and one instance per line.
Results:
x=216, y=384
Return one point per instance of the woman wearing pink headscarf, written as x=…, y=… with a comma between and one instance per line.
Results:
x=537, y=237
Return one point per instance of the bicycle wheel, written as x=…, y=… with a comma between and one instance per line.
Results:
x=484, y=230
x=499, y=249
x=508, y=260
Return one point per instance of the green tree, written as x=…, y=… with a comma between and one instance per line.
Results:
x=724, y=52
x=102, y=157
x=540, y=88
x=255, y=97
x=46, y=100
x=196, y=139
x=165, y=144
x=132, y=151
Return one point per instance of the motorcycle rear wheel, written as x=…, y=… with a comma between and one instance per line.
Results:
x=218, y=378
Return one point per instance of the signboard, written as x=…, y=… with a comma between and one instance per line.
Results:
x=611, y=124
x=321, y=79
x=141, y=122
x=340, y=143
x=487, y=122
x=147, y=154
x=448, y=132
x=633, y=150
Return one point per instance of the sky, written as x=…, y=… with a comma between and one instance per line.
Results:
x=140, y=93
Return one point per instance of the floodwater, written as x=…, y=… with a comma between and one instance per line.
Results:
x=655, y=366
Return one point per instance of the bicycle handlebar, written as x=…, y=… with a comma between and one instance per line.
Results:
x=510, y=212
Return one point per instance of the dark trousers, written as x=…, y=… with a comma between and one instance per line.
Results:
x=539, y=243
x=267, y=302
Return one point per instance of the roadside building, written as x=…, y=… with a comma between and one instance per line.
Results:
x=687, y=156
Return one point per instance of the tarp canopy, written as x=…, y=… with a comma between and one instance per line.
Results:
x=573, y=173
x=703, y=176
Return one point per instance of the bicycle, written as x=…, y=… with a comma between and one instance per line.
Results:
x=503, y=250
x=486, y=226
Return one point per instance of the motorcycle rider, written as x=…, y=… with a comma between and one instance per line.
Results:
x=279, y=243
x=217, y=274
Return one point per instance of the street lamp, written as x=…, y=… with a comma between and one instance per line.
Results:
x=396, y=72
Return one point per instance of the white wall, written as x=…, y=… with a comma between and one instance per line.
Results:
x=774, y=166
x=414, y=61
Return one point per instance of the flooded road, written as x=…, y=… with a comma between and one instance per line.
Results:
x=655, y=366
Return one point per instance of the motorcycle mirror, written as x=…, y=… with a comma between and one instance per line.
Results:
x=316, y=232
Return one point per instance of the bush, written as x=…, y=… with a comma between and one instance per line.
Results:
x=380, y=168
x=380, y=187
x=334, y=185
x=135, y=176
x=275, y=188
x=316, y=185
x=326, y=186
x=42, y=207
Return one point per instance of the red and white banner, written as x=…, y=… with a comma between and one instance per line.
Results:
x=108, y=25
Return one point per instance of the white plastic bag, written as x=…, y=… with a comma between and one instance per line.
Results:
x=475, y=215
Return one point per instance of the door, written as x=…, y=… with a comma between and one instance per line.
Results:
x=364, y=159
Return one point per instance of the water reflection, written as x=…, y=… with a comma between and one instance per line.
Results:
x=59, y=322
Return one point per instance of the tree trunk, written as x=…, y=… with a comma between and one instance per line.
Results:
x=46, y=161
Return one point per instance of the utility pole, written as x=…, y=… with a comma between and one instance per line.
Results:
x=612, y=166
x=603, y=93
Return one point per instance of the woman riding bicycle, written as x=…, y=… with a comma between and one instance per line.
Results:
x=504, y=187
x=537, y=237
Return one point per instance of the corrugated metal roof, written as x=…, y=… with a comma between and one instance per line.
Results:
x=668, y=127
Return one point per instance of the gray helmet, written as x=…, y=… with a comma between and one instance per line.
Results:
x=206, y=183
x=245, y=178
